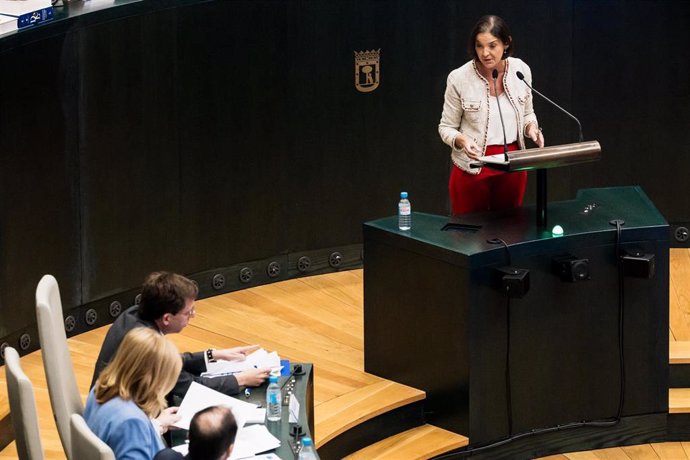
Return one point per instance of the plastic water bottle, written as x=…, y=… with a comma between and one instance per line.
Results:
x=274, y=407
x=404, y=212
x=307, y=451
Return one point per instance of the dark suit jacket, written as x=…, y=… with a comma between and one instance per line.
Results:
x=169, y=454
x=193, y=364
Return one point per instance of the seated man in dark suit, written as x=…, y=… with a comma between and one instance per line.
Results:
x=211, y=436
x=167, y=305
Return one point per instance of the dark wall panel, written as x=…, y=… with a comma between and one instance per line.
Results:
x=345, y=142
x=631, y=91
x=39, y=217
x=233, y=132
x=131, y=176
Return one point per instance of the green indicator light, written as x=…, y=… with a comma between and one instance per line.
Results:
x=557, y=230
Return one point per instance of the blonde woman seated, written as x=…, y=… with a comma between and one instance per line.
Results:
x=126, y=408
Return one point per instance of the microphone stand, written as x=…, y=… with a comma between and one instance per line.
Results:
x=494, y=75
x=542, y=188
x=541, y=173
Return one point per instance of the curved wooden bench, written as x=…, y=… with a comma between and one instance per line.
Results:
x=340, y=414
x=422, y=442
x=678, y=400
x=679, y=359
x=678, y=352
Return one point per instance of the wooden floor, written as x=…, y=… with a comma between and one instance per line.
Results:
x=319, y=319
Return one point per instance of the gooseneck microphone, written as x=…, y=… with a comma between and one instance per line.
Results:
x=522, y=77
x=494, y=75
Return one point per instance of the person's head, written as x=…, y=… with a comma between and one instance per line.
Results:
x=168, y=300
x=490, y=41
x=145, y=368
x=212, y=434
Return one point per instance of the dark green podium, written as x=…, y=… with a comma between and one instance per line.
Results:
x=495, y=366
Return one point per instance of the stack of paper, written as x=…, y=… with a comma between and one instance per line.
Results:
x=26, y=12
x=250, y=440
x=491, y=159
x=184, y=450
x=259, y=359
x=7, y=24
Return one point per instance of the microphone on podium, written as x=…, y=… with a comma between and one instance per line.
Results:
x=494, y=75
x=522, y=77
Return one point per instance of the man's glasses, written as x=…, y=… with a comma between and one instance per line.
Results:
x=190, y=313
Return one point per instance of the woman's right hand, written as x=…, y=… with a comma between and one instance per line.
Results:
x=470, y=147
x=167, y=418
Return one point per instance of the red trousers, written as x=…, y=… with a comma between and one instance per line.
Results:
x=489, y=190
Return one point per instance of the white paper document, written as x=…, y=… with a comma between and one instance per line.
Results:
x=199, y=397
x=256, y=415
x=16, y=8
x=492, y=159
x=259, y=359
x=294, y=409
x=252, y=440
x=7, y=24
x=182, y=448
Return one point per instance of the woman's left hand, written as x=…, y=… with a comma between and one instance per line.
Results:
x=535, y=134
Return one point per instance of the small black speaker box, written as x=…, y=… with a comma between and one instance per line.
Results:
x=512, y=281
x=570, y=268
x=637, y=264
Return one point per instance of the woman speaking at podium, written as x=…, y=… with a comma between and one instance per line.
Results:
x=483, y=98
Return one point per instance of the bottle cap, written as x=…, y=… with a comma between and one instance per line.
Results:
x=403, y=194
x=273, y=379
x=306, y=442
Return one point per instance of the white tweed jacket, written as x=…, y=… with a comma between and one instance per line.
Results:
x=466, y=107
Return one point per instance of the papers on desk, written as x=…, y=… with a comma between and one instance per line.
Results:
x=184, y=450
x=293, y=407
x=491, y=159
x=250, y=440
x=259, y=359
x=199, y=397
x=7, y=24
x=26, y=12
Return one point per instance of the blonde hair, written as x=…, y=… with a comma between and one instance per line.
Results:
x=144, y=369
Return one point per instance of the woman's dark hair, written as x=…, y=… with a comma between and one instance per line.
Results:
x=496, y=27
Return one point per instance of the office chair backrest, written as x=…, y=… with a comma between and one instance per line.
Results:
x=62, y=384
x=85, y=444
x=22, y=408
